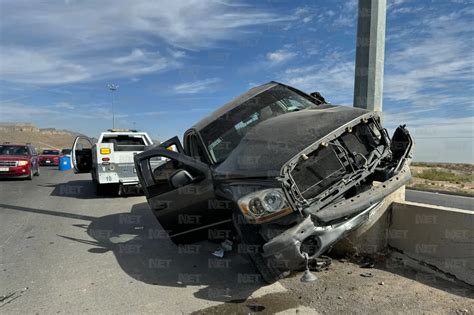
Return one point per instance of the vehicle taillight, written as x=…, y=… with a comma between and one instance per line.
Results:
x=105, y=159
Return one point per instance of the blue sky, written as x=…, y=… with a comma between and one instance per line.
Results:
x=175, y=61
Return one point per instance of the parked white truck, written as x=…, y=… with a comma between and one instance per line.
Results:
x=110, y=160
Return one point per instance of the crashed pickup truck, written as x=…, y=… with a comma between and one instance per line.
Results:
x=292, y=173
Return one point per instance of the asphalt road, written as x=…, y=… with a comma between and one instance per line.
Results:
x=453, y=201
x=73, y=251
x=64, y=250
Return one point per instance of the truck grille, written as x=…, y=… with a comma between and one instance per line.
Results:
x=322, y=169
x=328, y=165
x=8, y=163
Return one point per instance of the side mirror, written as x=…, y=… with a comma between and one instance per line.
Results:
x=318, y=97
x=180, y=178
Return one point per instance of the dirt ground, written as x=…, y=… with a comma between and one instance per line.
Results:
x=388, y=288
x=453, y=186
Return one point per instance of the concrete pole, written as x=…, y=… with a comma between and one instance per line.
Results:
x=368, y=85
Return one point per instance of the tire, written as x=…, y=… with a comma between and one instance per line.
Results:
x=30, y=176
x=248, y=236
x=269, y=273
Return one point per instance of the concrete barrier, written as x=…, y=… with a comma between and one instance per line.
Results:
x=439, y=236
x=371, y=237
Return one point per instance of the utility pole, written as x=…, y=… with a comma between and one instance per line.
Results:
x=370, y=50
x=113, y=87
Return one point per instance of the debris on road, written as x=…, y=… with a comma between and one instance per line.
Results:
x=367, y=274
x=227, y=245
x=219, y=252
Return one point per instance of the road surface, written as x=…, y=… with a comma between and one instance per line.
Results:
x=64, y=250
x=453, y=201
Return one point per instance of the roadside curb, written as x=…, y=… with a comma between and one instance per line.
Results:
x=445, y=192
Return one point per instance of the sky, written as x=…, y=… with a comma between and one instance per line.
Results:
x=176, y=61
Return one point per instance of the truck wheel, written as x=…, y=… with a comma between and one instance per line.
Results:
x=248, y=236
x=269, y=273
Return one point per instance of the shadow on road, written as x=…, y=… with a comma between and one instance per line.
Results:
x=145, y=253
x=83, y=189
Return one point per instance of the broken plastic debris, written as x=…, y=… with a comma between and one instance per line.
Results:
x=219, y=252
x=227, y=245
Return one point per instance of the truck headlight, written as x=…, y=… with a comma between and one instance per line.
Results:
x=264, y=205
x=22, y=163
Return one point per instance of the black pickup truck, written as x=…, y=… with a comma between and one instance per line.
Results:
x=292, y=173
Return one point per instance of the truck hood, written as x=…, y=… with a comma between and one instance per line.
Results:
x=269, y=145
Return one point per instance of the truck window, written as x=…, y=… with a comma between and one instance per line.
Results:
x=125, y=143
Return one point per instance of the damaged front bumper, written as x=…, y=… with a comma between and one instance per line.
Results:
x=322, y=227
x=287, y=248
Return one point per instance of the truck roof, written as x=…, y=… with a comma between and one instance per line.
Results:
x=233, y=104
x=124, y=133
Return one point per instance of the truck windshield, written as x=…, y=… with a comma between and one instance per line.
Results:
x=50, y=152
x=225, y=133
x=13, y=150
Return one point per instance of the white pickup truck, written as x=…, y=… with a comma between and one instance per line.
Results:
x=110, y=160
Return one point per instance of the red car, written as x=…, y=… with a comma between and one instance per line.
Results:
x=18, y=160
x=49, y=157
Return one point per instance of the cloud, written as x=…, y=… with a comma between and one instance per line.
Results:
x=29, y=66
x=177, y=54
x=196, y=86
x=59, y=112
x=64, y=105
x=430, y=69
x=437, y=139
x=49, y=68
x=15, y=111
x=332, y=76
x=280, y=56
x=57, y=43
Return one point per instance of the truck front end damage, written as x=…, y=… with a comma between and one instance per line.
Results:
x=336, y=184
